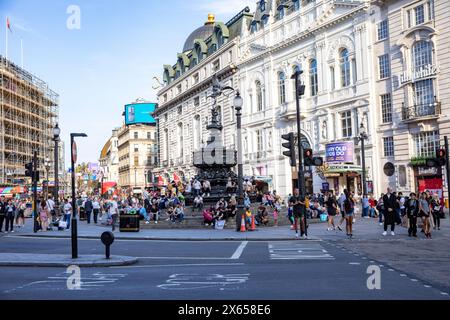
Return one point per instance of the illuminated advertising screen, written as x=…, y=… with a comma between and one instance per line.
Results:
x=139, y=113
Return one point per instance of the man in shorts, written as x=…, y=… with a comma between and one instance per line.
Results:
x=299, y=208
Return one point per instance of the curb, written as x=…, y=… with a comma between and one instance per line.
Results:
x=114, y=262
x=173, y=239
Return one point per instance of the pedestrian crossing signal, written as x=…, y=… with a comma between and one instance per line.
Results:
x=29, y=170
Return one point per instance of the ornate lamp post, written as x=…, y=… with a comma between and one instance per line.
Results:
x=56, y=133
x=363, y=137
x=238, y=103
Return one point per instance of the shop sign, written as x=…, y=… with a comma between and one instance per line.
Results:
x=341, y=152
x=425, y=171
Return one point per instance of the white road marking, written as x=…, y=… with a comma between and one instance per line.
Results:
x=201, y=281
x=444, y=293
x=183, y=258
x=237, y=254
x=298, y=251
x=180, y=265
x=355, y=263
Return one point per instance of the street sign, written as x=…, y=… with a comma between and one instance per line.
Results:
x=74, y=152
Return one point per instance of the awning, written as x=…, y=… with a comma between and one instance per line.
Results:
x=342, y=169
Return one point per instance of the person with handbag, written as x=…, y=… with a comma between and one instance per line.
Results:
x=349, y=208
x=332, y=209
x=424, y=213
x=412, y=211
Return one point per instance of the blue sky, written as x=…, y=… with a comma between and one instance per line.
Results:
x=110, y=61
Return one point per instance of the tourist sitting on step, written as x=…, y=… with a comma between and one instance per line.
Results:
x=198, y=203
x=218, y=216
x=262, y=217
x=143, y=213
x=178, y=214
x=208, y=217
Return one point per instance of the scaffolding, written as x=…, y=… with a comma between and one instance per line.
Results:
x=29, y=110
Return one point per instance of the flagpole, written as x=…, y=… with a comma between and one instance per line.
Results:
x=6, y=27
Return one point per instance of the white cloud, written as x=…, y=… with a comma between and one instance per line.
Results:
x=224, y=7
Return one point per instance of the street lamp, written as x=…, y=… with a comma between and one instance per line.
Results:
x=238, y=103
x=73, y=152
x=56, y=133
x=47, y=169
x=363, y=137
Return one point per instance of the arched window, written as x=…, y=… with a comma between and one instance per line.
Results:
x=282, y=87
x=294, y=71
x=220, y=38
x=296, y=4
x=254, y=27
x=313, y=80
x=422, y=55
x=180, y=140
x=259, y=96
x=197, y=132
x=262, y=5
x=344, y=62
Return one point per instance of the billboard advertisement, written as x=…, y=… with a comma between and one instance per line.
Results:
x=341, y=152
x=139, y=113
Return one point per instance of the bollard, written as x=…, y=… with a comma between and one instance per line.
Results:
x=107, y=239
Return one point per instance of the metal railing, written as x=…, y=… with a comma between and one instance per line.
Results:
x=421, y=110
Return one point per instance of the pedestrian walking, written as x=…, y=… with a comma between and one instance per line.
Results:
x=20, y=217
x=96, y=209
x=10, y=211
x=436, y=210
x=88, y=208
x=390, y=206
x=412, y=211
x=67, y=213
x=349, y=207
x=299, y=208
x=380, y=209
x=44, y=214
x=332, y=209
x=341, y=201
x=114, y=212
x=365, y=206
x=424, y=213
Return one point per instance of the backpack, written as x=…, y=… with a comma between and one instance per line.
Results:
x=348, y=205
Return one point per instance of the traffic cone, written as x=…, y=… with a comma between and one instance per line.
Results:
x=253, y=224
x=243, y=224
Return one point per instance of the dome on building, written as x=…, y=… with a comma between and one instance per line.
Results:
x=201, y=33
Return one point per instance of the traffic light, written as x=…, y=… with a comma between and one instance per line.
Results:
x=310, y=160
x=29, y=170
x=290, y=145
x=441, y=157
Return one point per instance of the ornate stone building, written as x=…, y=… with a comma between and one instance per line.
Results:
x=184, y=108
x=329, y=41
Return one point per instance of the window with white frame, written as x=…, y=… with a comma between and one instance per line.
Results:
x=388, y=144
x=281, y=88
x=386, y=108
x=136, y=135
x=384, y=66
x=333, y=84
x=313, y=77
x=419, y=14
x=346, y=122
x=430, y=8
x=259, y=140
x=259, y=96
x=426, y=143
x=422, y=54
x=344, y=61
x=136, y=148
x=382, y=30
x=424, y=93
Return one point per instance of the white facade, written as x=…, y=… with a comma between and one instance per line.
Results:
x=109, y=158
x=312, y=37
